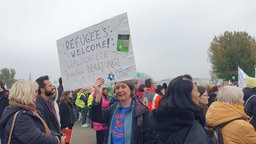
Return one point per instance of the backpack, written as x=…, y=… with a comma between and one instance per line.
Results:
x=214, y=134
x=249, y=105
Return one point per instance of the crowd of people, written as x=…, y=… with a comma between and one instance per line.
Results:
x=178, y=112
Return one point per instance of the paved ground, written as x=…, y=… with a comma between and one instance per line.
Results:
x=83, y=135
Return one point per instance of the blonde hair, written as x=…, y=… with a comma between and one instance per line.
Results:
x=230, y=95
x=23, y=92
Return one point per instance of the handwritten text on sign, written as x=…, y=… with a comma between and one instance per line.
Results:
x=103, y=50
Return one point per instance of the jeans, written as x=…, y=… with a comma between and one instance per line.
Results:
x=84, y=114
x=76, y=112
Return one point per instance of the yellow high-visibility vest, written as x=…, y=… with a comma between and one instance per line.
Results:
x=90, y=99
x=79, y=102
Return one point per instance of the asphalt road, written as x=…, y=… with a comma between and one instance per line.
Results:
x=82, y=135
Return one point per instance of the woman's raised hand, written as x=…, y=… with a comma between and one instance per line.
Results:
x=98, y=86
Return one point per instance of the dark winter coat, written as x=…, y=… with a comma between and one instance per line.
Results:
x=28, y=128
x=60, y=90
x=4, y=101
x=247, y=93
x=250, y=109
x=47, y=115
x=67, y=116
x=178, y=126
x=141, y=134
x=212, y=98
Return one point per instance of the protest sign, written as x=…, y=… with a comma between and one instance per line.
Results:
x=102, y=50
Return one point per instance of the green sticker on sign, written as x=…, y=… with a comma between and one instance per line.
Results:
x=123, y=42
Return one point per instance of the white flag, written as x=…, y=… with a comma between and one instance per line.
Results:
x=241, y=78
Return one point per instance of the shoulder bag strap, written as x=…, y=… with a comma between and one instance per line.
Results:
x=249, y=99
x=13, y=123
x=224, y=124
x=219, y=133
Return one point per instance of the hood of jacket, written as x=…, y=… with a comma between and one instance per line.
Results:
x=219, y=113
x=248, y=92
x=172, y=119
x=139, y=108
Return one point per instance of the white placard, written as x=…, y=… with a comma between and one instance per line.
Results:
x=102, y=50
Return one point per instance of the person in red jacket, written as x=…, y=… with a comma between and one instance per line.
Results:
x=140, y=92
x=150, y=98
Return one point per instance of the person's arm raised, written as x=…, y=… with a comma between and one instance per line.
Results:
x=98, y=86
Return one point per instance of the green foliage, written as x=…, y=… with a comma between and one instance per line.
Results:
x=8, y=76
x=230, y=50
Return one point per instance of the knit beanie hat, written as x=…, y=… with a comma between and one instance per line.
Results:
x=250, y=82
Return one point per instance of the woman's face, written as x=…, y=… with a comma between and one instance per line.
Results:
x=195, y=94
x=123, y=91
x=105, y=92
x=34, y=97
x=163, y=91
x=70, y=94
x=204, y=98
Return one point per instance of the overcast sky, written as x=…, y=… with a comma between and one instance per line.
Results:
x=169, y=37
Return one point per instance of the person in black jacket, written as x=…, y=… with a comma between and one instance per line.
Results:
x=250, y=99
x=203, y=101
x=60, y=90
x=44, y=104
x=212, y=93
x=160, y=90
x=248, y=92
x=29, y=127
x=128, y=119
x=177, y=118
x=4, y=102
x=67, y=116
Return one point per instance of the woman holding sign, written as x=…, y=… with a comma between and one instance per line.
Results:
x=128, y=119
